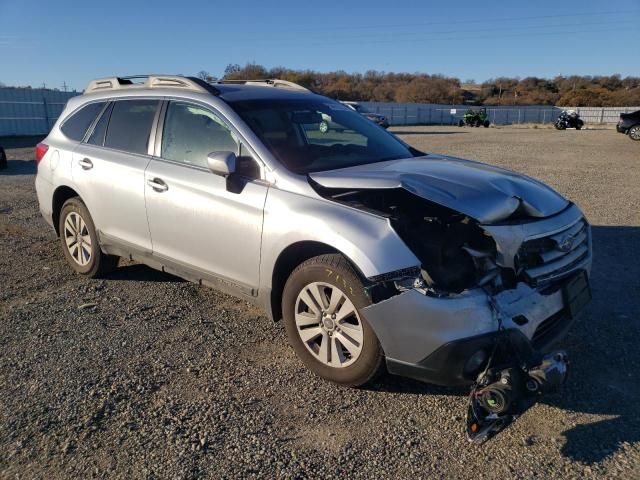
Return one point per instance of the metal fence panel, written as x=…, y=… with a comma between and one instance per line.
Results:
x=427, y=113
x=34, y=111
x=25, y=111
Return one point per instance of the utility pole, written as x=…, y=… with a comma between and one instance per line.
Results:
x=64, y=86
x=44, y=86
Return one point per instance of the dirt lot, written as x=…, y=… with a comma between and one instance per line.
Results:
x=141, y=375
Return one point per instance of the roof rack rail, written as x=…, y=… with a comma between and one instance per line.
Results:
x=150, y=81
x=272, y=82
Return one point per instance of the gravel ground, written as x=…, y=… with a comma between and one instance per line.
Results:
x=142, y=375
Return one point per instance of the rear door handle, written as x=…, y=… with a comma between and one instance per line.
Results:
x=86, y=164
x=158, y=185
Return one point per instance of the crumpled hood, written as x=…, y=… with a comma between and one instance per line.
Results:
x=483, y=192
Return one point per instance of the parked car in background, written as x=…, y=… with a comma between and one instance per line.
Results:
x=629, y=124
x=3, y=159
x=374, y=117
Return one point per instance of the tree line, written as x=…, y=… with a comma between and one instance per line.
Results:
x=575, y=91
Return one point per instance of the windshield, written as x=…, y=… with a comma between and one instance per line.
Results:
x=313, y=135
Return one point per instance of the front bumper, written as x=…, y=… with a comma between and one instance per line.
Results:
x=431, y=338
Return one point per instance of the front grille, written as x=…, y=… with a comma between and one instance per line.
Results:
x=547, y=258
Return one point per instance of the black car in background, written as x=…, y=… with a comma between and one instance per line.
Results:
x=629, y=124
x=3, y=159
x=381, y=120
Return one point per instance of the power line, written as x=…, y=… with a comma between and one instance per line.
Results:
x=497, y=36
x=466, y=31
x=457, y=22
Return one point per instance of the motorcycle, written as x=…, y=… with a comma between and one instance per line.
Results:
x=569, y=119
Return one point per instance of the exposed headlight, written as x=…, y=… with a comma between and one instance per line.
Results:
x=475, y=362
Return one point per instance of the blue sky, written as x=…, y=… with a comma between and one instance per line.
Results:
x=73, y=42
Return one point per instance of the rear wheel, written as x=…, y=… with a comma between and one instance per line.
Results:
x=80, y=242
x=634, y=132
x=3, y=159
x=321, y=305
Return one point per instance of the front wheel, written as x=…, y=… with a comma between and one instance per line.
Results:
x=321, y=305
x=80, y=242
x=634, y=133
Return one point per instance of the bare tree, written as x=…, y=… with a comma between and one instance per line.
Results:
x=206, y=76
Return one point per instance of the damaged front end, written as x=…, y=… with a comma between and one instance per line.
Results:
x=485, y=301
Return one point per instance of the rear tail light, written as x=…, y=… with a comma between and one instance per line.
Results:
x=41, y=150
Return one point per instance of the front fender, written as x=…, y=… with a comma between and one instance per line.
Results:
x=367, y=240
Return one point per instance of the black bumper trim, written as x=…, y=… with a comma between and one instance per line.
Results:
x=446, y=366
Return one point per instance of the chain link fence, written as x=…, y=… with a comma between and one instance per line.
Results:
x=34, y=112
x=433, y=114
x=25, y=111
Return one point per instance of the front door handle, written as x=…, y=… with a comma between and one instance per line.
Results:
x=86, y=164
x=158, y=185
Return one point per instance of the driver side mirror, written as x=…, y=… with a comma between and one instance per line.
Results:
x=222, y=163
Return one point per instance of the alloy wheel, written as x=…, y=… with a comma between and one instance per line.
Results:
x=329, y=324
x=634, y=132
x=77, y=239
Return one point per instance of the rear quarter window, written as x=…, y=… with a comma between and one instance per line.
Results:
x=78, y=123
x=130, y=125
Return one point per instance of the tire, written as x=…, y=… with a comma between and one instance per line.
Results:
x=579, y=125
x=461, y=123
x=560, y=126
x=3, y=159
x=79, y=241
x=486, y=124
x=634, y=132
x=344, y=351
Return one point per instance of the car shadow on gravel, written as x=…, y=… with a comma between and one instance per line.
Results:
x=603, y=352
x=141, y=273
x=418, y=132
x=19, y=167
x=388, y=383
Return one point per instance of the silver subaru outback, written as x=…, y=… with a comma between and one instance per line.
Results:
x=374, y=254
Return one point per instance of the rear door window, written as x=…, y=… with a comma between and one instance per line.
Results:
x=77, y=124
x=130, y=125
